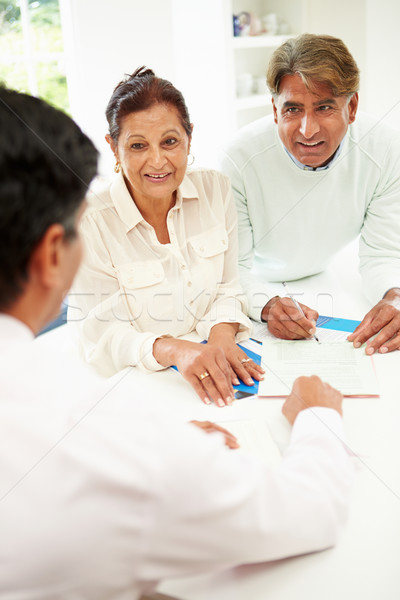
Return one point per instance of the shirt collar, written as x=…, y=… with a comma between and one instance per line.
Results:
x=307, y=168
x=187, y=190
x=127, y=209
x=14, y=329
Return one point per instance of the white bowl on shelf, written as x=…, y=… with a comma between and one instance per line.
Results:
x=244, y=84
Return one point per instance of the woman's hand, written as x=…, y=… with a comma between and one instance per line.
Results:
x=205, y=366
x=223, y=336
x=209, y=427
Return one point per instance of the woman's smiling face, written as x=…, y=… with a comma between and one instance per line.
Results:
x=152, y=150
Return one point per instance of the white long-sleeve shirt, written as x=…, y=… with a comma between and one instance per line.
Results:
x=100, y=498
x=131, y=289
x=291, y=222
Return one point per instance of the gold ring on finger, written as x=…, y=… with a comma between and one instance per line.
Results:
x=204, y=375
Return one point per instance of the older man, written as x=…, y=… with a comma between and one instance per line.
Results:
x=310, y=179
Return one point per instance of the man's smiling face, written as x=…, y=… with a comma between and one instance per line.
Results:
x=312, y=122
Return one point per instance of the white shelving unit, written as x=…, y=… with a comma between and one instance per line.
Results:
x=251, y=53
x=259, y=41
x=252, y=101
x=256, y=99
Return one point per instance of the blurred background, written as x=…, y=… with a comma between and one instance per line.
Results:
x=74, y=52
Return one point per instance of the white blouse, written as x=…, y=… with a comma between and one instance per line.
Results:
x=131, y=289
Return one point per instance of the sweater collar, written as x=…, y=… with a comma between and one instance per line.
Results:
x=307, y=167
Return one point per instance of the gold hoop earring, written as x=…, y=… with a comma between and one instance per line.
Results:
x=117, y=167
x=190, y=163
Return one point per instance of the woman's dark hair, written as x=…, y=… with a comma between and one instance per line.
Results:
x=140, y=91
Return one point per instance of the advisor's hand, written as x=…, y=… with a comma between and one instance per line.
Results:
x=285, y=321
x=384, y=320
x=310, y=391
x=209, y=427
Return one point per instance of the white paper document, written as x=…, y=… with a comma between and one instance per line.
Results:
x=348, y=369
x=255, y=439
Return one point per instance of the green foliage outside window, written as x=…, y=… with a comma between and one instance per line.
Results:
x=47, y=47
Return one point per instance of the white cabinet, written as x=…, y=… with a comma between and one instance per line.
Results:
x=266, y=24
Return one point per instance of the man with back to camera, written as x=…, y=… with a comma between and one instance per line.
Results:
x=101, y=499
x=310, y=179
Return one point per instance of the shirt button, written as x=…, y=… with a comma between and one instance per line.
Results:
x=189, y=283
x=183, y=267
x=224, y=242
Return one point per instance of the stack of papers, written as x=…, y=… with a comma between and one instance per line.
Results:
x=348, y=369
x=334, y=360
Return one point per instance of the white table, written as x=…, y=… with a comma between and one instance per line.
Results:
x=365, y=565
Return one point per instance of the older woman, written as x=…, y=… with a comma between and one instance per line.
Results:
x=161, y=252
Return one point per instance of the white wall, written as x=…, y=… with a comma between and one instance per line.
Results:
x=203, y=71
x=382, y=58
x=104, y=40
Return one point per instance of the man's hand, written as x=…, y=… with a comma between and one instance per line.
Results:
x=209, y=427
x=308, y=392
x=384, y=320
x=285, y=320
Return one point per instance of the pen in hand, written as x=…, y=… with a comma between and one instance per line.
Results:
x=297, y=305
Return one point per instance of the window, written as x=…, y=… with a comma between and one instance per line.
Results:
x=31, y=49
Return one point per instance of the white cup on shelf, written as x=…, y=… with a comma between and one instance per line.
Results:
x=270, y=23
x=244, y=84
x=260, y=85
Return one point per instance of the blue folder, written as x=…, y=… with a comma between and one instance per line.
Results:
x=337, y=324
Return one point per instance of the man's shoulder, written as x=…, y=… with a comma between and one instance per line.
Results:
x=257, y=136
x=373, y=134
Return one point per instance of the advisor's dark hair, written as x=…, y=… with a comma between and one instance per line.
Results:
x=46, y=165
x=140, y=91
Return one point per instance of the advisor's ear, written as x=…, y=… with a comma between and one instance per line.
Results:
x=46, y=261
